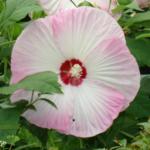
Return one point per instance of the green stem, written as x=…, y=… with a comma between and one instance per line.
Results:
x=6, y=43
x=110, y=1
x=10, y=148
x=127, y=134
x=52, y=141
x=32, y=96
x=81, y=144
x=115, y=148
x=5, y=66
x=73, y=3
x=25, y=146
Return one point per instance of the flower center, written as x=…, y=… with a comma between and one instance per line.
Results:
x=72, y=72
x=76, y=71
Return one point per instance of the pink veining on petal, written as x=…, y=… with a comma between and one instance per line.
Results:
x=115, y=67
x=49, y=43
x=53, y=6
x=78, y=24
x=95, y=109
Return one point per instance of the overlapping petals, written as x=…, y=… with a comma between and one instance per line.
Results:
x=51, y=6
x=95, y=39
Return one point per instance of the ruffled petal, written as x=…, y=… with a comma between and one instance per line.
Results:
x=95, y=108
x=22, y=95
x=47, y=116
x=104, y=4
x=90, y=108
x=50, y=6
x=35, y=51
x=84, y=112
x=113, y=65
x=79, y=31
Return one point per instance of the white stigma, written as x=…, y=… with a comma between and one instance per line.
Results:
x=76, y=71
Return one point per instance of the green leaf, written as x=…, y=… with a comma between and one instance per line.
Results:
x=145, y=84
x=1, y=5
x=24, y=105
x=6, y=105
x=122, y=123
x=118, y=9
x=142, y=103
x=40, y=133
x=5, y=52
x=12, y=139
x=45, y=82
x=49, y=101
x=16, y=10
x=139, y=17
x=143, y=35
x=36, y=15
x=142, y=100
x=140, y=49
x=134, y=5
x=28, y=147
x=9, y=122
x=146, y=126
x=124, y=2
x=85, y=3
x=28, y=137
x=128, y=7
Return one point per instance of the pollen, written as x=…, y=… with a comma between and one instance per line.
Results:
x=72, y=72
x=76, y=71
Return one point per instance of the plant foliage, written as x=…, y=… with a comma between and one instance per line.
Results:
x=131, y=131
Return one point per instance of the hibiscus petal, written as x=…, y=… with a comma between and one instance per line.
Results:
x=91, y=107
x=47, y=116
x=84, y=112
x=95, y=108
x=35, y=51
x=113, y=65
x=82, y=30
x=23, y=95
x=50, y=6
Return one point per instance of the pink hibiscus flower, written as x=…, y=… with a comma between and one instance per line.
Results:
x=51, y=6
x=99, y=76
